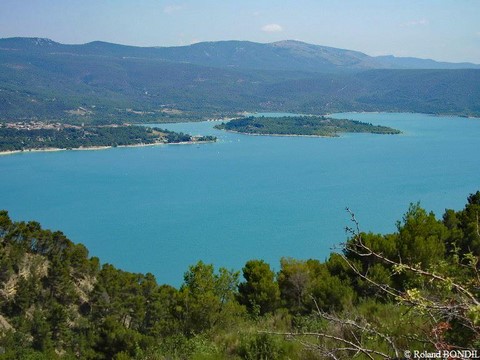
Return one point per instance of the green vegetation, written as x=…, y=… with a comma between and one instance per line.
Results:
x=102, y=83
x=70, y=137
x=415, y=289
x=302, y=125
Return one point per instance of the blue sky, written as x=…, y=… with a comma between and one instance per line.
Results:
x=439, y=29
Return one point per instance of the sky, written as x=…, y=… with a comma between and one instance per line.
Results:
x=444, y=30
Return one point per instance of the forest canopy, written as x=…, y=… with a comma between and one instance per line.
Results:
x=416, y=289
x=23, y=137
x=302, y=125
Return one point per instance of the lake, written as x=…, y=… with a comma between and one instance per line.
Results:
x=162, y=208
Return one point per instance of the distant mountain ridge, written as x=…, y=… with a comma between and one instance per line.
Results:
x=101, y=82
x=286, y=55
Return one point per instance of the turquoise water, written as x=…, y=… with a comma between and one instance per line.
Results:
x=160, y=209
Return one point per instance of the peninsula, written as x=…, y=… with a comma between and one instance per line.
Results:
x=301, y=126
x=38, y=135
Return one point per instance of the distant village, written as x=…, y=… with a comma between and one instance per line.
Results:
x=43, y=125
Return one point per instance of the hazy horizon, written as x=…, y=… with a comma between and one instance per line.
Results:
x=442, y=30
x=226, y=40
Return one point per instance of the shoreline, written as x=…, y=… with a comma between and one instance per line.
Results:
x=408, y=112
x=95, y=148
x=311, y=136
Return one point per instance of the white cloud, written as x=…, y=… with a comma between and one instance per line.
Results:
x=418, y=22
x=170, y=9
x=257, y=13
x=270, y=28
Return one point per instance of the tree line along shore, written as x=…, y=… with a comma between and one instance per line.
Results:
x=44, y=136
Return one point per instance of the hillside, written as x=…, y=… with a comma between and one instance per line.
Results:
x=415, y=289
x=44, y=80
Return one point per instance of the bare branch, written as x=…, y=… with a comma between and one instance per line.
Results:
x=352, y=346
x=364, y=329
x=369, y=252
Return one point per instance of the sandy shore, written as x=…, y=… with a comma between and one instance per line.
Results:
x=11, y=152
x=90, y=148
x=93, y=148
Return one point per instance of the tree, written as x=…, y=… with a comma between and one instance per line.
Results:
x=433, y=305
x=465, y=226
x=207, y=299
x=421, y=237
x=301, y=282
x=294, y=281
x=259, y=293
x=40, y=331
x=161, y=312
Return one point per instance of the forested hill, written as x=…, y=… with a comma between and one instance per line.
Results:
x=302, y=126
x=287, y=55
x=413, y=290
x=108, y=83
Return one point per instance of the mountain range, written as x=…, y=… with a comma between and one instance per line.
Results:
x=287, y=55
x=104, y=82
